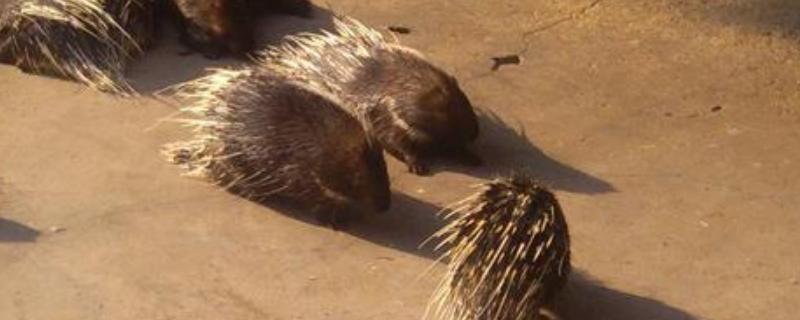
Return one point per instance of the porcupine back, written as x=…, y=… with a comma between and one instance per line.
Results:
x=89, y=41
x=508, y=250
x=412, y=107
x=263, y=135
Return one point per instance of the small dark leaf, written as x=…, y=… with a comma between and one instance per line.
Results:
x=504, y=60
x=400, y=29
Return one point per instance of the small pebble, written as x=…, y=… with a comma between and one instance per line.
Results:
x=704, y=224
x=56, y=229
x=716, y=109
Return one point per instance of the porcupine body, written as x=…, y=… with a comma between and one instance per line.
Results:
x=218, y=27
x=508, y=250
x=89, y=41
x=414, y=109
x=264, y=135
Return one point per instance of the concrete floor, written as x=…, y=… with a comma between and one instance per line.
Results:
x=670, y=130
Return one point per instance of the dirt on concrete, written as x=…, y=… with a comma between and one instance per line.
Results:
x=669, y=129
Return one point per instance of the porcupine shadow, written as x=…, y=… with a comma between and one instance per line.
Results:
x=504, y=149
x=169, y=62
x=780, y=18
x=11, y=231
x=411, y=221
x=586, y=298
x=407, y=224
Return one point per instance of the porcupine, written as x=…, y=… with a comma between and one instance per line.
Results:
x=265, y=135
x=508, y=250
x=89, y=41
x=218, y=27
x=415, y=109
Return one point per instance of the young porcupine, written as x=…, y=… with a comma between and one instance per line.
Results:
x=217, y=27
x=264, y=135
x=508, y=250
x=415, y=110
x=89, y=41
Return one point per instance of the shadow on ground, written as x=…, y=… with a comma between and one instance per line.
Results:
x=407, y=224
x=769, y=17
x=405, y=227
x=585, y=298
x=167, y=64
x=506, y=149
x=11, y=231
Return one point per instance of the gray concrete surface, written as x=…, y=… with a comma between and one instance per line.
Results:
x=668, y=128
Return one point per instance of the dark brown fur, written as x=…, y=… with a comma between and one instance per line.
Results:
x=219, y=27
x=405, y=86
x=291, y=142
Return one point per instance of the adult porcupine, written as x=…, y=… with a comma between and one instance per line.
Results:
x=217, y=27
x=508, y=250
x=416, y=110
x=265, y=135
x=89, y=41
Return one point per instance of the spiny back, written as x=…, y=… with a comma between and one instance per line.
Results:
x=263, y=135
x=84, y=40
x=326, y=60
x=509, y=253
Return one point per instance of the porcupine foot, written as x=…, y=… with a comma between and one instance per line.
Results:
x=417, y=166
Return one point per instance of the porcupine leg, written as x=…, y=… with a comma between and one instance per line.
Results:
x=5, y=57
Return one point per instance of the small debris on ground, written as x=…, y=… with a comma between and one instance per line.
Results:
x=505, y=60
x=716, y=109
x=400, y=29
x=56, y=229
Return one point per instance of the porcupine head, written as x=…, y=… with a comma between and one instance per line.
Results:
x=217, y=27
x=355, y=179
x=420, y=111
